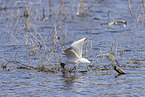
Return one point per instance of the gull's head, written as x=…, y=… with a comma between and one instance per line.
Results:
x=62, y=65
x=63, y=62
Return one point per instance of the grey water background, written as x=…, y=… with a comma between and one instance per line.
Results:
x=92, y=22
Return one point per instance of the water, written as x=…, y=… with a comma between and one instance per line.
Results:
x=31, y=83
x=92, y=22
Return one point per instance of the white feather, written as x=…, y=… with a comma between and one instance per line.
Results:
x=74, y=53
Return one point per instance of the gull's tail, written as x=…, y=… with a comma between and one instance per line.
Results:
x=83, y=60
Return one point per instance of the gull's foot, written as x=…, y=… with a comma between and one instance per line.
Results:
x=74, y=69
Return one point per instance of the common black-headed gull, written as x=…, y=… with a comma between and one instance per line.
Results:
x=74, y=54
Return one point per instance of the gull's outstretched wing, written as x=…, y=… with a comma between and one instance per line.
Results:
x=77, y=46
x=71, y=54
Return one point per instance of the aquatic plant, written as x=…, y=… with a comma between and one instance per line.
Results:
x=42, y=52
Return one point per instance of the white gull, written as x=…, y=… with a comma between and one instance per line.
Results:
x=74, y=54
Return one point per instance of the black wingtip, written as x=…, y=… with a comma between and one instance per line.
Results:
x=86, y=38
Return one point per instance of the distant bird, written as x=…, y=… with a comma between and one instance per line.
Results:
x=74, y=54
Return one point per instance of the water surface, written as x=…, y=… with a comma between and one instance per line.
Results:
x=92, y=22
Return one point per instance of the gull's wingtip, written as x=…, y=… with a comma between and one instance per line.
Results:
x=68, y=49
x=86, y=38
x=64, y=52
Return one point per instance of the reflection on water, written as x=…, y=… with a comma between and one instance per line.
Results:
x=69, y=79
x=94, y=83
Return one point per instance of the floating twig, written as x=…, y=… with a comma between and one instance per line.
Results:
x=117, y=21
x=119, y=70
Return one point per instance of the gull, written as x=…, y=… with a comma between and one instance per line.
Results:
x=74, y=54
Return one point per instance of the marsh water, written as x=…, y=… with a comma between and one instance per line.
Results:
x=55, y=24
